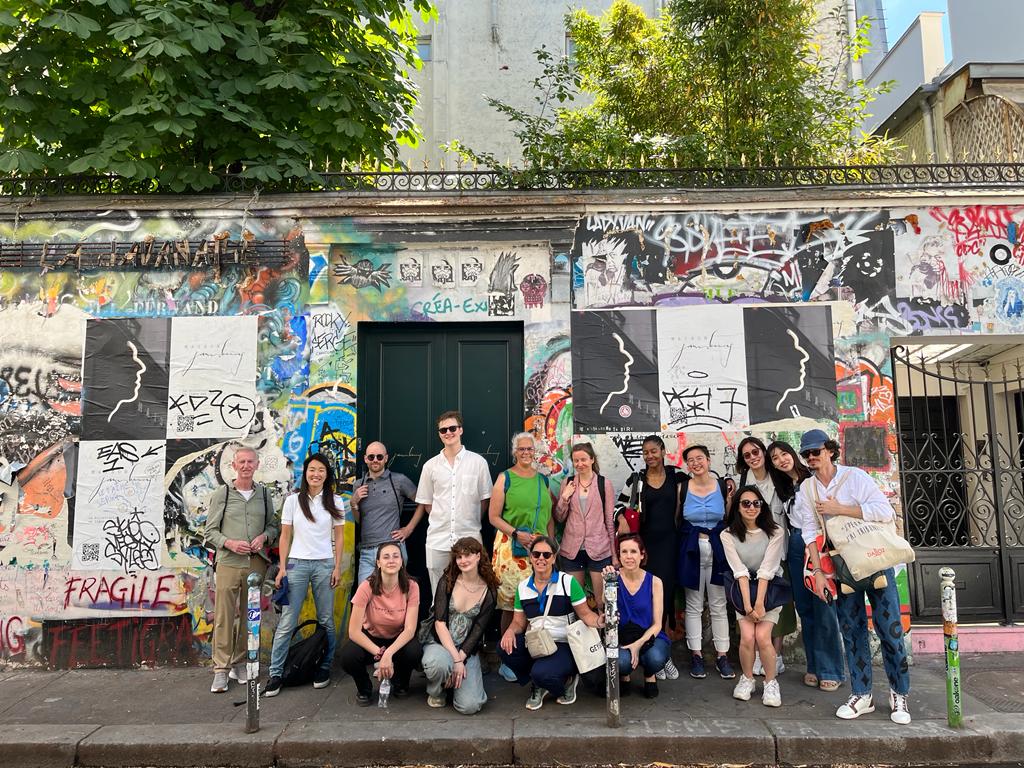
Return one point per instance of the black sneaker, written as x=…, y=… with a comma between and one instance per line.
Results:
x=697, y=666
x=364, y=699
x=273, y=687
x=400, y=693
x=321, y=678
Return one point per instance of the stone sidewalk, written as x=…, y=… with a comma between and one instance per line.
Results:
x=168, y=717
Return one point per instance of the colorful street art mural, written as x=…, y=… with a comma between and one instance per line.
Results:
x=124, y=386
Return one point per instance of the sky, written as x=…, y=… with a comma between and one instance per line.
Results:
x=899, y=14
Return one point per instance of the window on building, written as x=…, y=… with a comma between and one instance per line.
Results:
x=570, y=48
x=424, y=48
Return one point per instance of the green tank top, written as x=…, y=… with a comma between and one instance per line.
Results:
x=521, y=503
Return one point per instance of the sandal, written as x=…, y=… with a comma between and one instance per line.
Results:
x=829, y=685
x=811, y=680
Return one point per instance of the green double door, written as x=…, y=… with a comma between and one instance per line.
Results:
x=410, y=373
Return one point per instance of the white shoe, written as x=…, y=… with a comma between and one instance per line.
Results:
x=240, y=673
x=898, y=704
x=758, y=666
x=220, y=682
x=772, y=696
x=744, y=688
x=670, y=671
x=660, y=675
x=780, y=665
x=437, y=702
x=856, y=706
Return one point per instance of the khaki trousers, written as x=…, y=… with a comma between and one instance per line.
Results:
x=230, y=611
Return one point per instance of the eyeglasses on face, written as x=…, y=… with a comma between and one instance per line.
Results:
x=750, y=503
x=542, y=555
x=525, y=449
x=375, y=457
x=751, y=453
x=453, y=429
x=811, y=452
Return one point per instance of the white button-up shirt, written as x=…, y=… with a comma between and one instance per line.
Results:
x=850, y=486
x=454, y=493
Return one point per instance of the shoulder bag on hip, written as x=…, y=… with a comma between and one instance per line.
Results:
x=539, y=642
x=778, y=592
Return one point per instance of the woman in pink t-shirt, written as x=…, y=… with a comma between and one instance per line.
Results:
x=382, y=626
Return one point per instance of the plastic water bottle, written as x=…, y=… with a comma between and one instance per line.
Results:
x=384, y=693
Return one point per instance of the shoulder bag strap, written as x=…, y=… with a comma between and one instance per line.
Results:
x=536, y=514
x=394, y=490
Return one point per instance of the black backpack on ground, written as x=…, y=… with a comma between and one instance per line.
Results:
x=304, y=656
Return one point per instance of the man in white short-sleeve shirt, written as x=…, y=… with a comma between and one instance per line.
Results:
x=455, y=486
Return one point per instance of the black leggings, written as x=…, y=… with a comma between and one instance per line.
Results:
x=355, y=659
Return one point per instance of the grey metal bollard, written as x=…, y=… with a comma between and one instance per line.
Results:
x=954, y=694
x=252, y=671
x=611, y=644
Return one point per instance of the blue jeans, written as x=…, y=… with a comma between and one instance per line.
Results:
x=653, y=660
x=303, y=574
x=470, y=696
x=885, y=613
x=818, y=621
x=368, y=561
x=550, y=672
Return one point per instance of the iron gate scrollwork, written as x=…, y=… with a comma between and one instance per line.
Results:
x=961, y=459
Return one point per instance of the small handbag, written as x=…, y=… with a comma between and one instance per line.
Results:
x=778, y=593
x=633, y=514
x=586, y=646
x=425, y=633
x=539, y=642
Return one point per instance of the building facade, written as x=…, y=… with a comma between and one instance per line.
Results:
x=142, y=338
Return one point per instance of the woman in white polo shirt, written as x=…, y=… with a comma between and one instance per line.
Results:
x=310, y=521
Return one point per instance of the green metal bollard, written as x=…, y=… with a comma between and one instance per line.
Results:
x=954, y=694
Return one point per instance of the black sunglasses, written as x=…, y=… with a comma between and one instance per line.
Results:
x=542, y=555
x=442, y=430
x=811, y=452
x=750, y=503
x=375, y=457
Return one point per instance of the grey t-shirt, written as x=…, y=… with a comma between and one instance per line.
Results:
x=380, y=512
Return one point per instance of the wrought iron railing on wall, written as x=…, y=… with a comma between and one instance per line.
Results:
x=960, y=175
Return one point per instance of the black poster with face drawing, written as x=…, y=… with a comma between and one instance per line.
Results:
x=125, y=378
x=615, y=371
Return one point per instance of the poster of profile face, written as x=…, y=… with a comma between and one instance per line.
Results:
x=120, y=503
x=212, y=389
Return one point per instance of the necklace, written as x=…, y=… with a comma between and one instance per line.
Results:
x=472, y=590
x=586, y=487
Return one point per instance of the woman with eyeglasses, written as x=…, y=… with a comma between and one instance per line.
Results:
x=463, y=605
x=754, y=468
x=819, y=627
x=702, y=560
x=382, y=626
x=754, y=544
x=520, y=511
x=586, y=505
x=547, y=599
x=850, y=492
x=654, y=492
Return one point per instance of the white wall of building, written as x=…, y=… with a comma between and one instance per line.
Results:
x=985, y=32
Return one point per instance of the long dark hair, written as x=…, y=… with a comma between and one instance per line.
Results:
x=765, y=521
x=782, y=482
x=467, y=545
x=798, y=466
x=327, y=496
x=376, y=579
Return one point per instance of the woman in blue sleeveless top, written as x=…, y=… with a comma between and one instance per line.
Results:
x=642, y=642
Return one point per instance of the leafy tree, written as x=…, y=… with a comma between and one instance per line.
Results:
x=709, y=82
x=170, y=89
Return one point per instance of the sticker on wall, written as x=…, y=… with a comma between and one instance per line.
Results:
x=442, y=273
x=212, y=390
x=363, y=273
x=501, y=287
x=410, y=270
x=125, y=371
x=615, y=371
x=119, y=518
x=471, y=269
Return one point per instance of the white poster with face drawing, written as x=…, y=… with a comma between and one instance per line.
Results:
x=212, y=390
x=119, y=511
x=702, y=368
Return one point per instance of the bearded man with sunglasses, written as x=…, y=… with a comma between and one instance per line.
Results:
x=455, y=487
x=377, y=500
x=849, y=491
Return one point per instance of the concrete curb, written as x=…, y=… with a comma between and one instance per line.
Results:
x=456, y=740
x=41, y=746
x=222, y=744
x=591, y=741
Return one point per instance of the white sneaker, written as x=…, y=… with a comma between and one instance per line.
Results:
x=898, y=704
x=744, y=688
x=772, y=696
x=780, y=665
x=670, y=671
x=240, y=673
x=660, y=675
x=220, y=682
x=436, y=702
x=758, y=666
x=856, y=706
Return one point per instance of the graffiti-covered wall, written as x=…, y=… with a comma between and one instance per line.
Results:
x=136, y=348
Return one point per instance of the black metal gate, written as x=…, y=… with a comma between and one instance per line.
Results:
x=961, y=453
